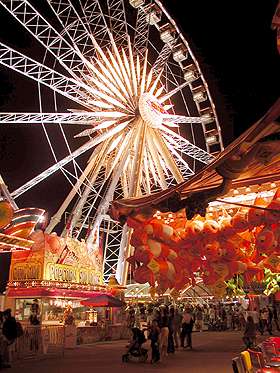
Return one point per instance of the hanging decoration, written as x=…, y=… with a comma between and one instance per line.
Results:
x=170, y=250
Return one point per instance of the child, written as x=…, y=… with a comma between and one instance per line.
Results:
x=249, y=337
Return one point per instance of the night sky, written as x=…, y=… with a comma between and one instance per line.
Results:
x=234, y=44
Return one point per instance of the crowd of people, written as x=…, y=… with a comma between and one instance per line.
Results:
x=166, y=329
x=170, y=327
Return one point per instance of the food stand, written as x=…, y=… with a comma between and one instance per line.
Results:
x=57, y=273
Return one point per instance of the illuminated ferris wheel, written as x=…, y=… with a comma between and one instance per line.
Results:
x=143, y=107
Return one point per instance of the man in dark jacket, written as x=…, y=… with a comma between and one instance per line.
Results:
x=9, y=326
x=9, y=331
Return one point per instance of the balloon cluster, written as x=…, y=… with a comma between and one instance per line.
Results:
x=170, y=250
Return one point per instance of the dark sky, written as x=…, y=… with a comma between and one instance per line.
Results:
x=236, y=48
x=234, y=45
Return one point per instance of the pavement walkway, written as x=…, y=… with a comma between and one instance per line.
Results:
x=212, y=353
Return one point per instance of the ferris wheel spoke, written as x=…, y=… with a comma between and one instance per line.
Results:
x=42, y=30
x=107, y=86
x=156, y=160
x=182, y=165
x=186, y=147
x=66, y=160
x=83, y=209
x=32, y=69
x=146, y=172
x=87, y=119
x=83, y=180
x=167, y=118
x=141, y=33
x=73, y=26
x=91, y=190
x=167, y=157
x=117, y=22
x=109, y=195
x=162, y=58
x=95, y=20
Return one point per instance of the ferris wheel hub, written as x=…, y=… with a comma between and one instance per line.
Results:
x=151, y=110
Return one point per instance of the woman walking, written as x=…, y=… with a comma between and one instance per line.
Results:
x=187, y=327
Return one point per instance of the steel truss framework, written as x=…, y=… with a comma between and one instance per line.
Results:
x=130, y=87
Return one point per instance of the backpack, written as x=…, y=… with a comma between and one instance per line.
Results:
x=19, y=329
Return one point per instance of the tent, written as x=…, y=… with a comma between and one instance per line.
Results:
x=102, y=301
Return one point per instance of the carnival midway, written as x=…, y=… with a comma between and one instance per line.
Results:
x=162, y=231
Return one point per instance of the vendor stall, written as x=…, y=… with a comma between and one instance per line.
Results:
x=57, y=273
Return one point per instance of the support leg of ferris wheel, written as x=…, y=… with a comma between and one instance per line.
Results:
x=85, y=211
x=55, y=219
x=125, y=247
x=99, y=150
x=104, y=206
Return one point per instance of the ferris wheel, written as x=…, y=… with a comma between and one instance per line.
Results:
x=143, y=107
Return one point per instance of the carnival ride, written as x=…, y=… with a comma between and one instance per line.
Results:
x=133, y=86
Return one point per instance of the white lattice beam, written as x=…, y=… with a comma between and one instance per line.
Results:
x=141, y=33
x=46, y=34
x=32, y=69
x=117, y=22
x=95, y=21
x=183, y=145
x=62, y=118
x=74, y=26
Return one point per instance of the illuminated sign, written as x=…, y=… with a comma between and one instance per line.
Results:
x=61, y=272
x=27, y=271
x=15, y=242
x=67, y=273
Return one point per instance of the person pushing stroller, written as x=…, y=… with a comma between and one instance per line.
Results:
x=135, y=349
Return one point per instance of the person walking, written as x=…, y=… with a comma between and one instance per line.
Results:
x=154, y=337
x=187, y=328
x=270, y=319
x=264, y=316
x=164, y=332
x=170, y=344
x=256, y=318
x=249, y=337
x=199, y=319
x=177, y=324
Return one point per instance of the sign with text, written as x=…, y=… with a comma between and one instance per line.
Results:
x=67, y=273
x=26, y=271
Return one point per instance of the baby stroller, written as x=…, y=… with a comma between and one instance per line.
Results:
x=135, y=352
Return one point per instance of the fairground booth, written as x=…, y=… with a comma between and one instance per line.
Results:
x=55, y=274
x=222, y=225
x=50, y=276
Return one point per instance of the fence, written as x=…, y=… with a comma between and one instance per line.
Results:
x=38, y=340
x=54, y=339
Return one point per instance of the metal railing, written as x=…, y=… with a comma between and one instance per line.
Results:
x=39, y=340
